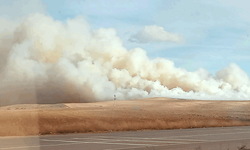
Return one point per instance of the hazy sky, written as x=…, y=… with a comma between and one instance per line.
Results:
x=215, y=31
x=209, y=34
x=46, y=40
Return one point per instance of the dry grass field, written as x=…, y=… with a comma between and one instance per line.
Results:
x=127, y=115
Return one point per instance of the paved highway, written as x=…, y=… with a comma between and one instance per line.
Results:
x=219, y=138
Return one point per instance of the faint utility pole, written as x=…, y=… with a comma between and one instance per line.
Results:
x=114, y=99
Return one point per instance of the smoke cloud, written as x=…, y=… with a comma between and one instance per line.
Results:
x=46, y=61
x=19, y=9
x=155, y=33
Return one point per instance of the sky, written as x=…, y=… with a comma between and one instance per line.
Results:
x=215, y=32
x=135, y=48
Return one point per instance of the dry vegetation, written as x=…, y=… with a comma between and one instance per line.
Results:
x=144, y=114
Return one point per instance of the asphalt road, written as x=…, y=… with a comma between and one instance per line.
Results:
x=219, y=138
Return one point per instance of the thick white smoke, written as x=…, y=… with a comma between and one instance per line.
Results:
x=47, y=61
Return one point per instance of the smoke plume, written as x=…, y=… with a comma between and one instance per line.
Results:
x=43, y=60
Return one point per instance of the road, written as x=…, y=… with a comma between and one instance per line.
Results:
x=219, y=138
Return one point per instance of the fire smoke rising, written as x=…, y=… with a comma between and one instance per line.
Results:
x=46, y=61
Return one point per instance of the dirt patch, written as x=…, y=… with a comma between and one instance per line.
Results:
x=144, y=114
